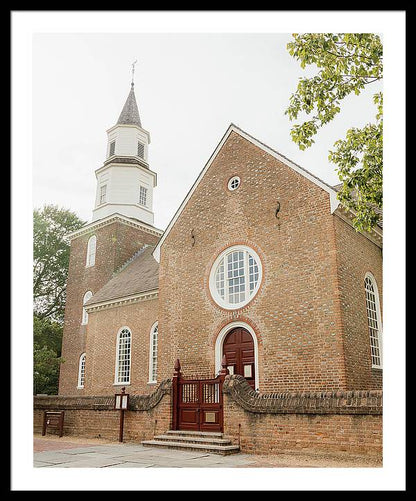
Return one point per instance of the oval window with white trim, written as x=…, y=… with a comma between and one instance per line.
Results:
x=234, y=183
x=235, y=277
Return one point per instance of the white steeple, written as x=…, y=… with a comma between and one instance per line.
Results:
x=125, y=183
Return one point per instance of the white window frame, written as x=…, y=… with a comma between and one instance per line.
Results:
x=110, y=153
x=81, y=371
x=232, y=183
x=153, y=345
x=91, y=251
x=224, y=302
x=87, y=296
x=377, y=319
x=143, y=195
x=103, y=194
x=118, y=358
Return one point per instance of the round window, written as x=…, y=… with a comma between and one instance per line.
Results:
x=234, y=183
x=235, y=277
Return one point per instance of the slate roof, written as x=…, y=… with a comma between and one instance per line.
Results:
x=130, y=113
x=139, y=274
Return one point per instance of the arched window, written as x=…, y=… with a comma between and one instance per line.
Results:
x=153, y=354
x=235, y=277
x=123, y=356
x=92, y=244
x=81, y=371
x=373, y=319
x=87, y=296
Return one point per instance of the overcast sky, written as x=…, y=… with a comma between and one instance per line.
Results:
x=197, y=72
x=189, y=88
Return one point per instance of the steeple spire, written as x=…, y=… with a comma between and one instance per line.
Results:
x=130, y=113
x=125, y=182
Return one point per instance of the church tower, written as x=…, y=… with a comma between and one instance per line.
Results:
x=125, y=182
x=121, y=226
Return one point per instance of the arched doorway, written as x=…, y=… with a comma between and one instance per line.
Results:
x=238, y=347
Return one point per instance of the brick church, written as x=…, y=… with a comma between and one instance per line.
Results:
x=260, y=271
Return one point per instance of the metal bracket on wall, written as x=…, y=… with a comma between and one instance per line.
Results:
x=277, y=209
x=277, y=214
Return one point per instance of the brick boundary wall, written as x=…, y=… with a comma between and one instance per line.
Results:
x=336, y=421
x=95, y=416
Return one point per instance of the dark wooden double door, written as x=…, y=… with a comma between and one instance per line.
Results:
x=238, y=347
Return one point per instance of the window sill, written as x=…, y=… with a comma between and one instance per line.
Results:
x=121, y=384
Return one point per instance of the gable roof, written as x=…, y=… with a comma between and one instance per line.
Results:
x=334, y=202
x=138, y=275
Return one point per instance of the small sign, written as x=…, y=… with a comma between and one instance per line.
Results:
x=248, y=371
x=210, y=417
x=124, y=401
x=55, y=420
x=121, y=401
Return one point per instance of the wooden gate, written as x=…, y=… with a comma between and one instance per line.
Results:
x=198, y=403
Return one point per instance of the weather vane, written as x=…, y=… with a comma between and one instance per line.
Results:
x=132, y=71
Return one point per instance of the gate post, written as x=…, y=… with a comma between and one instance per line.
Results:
x=175, y=396
x=223, y=372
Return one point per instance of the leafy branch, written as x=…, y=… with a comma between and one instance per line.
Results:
x=347, y=63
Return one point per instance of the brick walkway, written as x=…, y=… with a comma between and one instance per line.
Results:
x=47, y=444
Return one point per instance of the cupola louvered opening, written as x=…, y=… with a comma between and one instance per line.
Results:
x=140, y=149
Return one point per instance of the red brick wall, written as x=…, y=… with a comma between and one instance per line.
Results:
x=349, y=421
x=296, y=312
x=138, y=425
x=274, y=433
x=103, y=327
x=357, y=255
x=116, y=243
x=342, y=421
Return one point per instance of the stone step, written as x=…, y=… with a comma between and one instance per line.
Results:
x=191, y=433
x=195, y=439
x=192, y=446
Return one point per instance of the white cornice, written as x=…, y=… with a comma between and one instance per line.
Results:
x=122, y=301
x=89, y=227
x=132, y=165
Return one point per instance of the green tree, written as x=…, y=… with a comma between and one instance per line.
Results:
x=346, y=63
x=47, y=342
x=50, y=269
x=47, y=333
x=45, y=371
x=51, y=259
